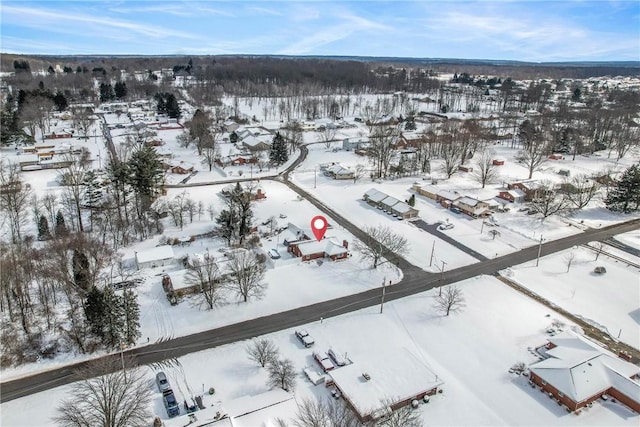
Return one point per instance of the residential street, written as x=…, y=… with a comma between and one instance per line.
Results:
x=415, y=280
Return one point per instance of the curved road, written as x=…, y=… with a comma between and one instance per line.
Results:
x=414, y=281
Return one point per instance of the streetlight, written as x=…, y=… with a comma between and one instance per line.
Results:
x=539, y=250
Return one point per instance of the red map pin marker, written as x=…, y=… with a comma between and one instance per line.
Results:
x=319, y=226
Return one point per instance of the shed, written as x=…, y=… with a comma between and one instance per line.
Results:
x=156, y=257
x=513, y=196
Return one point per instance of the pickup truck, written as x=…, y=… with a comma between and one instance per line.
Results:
x=304, y=337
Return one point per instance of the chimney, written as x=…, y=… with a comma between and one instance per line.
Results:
x=345, y=244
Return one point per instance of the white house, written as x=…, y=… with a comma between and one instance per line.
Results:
x=155, y=257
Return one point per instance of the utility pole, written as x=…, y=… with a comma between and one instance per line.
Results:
x=482, y=227
x=124, y=371
x=539, y=251
x=384, y=289
x=433, y=248
x=441, y=279
x=315, y=176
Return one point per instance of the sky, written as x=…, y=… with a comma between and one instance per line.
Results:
x=541, y=30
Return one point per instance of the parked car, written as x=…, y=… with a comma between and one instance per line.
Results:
x=162, y=382
x=599, y=270
x=337, y=357
x=273, y=253
x=170, y=403
x=324, y=361
x=445, y=226
x=456, y=210
x=304, y=337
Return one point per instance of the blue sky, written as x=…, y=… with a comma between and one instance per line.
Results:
x=514, y=30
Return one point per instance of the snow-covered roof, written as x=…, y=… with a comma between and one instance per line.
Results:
x=580, y=369
x=389, y=201
x=516, y=193
x=260, y=409
x=393, y=377
x=469, y=201
x=328, y=245
x=375, y=195
x=402, y=208
x=448, y=195
x=295, y=233
x=156, y=254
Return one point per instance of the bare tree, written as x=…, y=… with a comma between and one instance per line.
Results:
x=262, y=351
x=74, y=181
x=205, y=274
x=327, y=135
x=382, y=140
x=14, y=198
x=282, y=374
x=325, y=413
x=535, y=149
x=402, y=417
x=569, y=258
x=246, y=274
x=451, y=300
x=485, y=171
x=106, y=396
x=358, y=172
x=381, y=242
x=547, y=201
x=581, y=190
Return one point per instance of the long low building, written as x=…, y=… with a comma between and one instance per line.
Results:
x=155, y=257
x=388, y=380
x=390, y=204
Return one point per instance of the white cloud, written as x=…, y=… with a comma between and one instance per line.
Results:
x=43, y=19
x=263, y=10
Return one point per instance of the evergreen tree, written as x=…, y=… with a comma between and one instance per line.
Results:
x=131, y=317
x=106, y=92
x=61, y=228
x=227, y=220
x=81, y=273
x=43, y=228
x=120, y=90
x=625, y=196
x=50, y=70
x=145, y=175
x=60, y=100
x=114, y=320
x=94, y=311
x=412, y=200
x=278, y=153
x=233, y=137
x=167, y=103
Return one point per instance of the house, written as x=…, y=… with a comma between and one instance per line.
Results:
x=181, y=167
x=404, y=210
x=59, y=135
x=230, y=126
x=337, y=171
x=410, y=139
x=253, y=143
x=465, y=168
x=530, y=188
x=349, y=144
x=472, y=207
x=155, y=257
x=576, y=372
x=513, y=196
x=428, y=191
x=446, y=197
x=255, y=193
x=498, y=162
x=314, y=249
x=386, y=380
x=556, y=157
x=293, y=234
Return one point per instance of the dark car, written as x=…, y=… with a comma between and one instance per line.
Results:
x=170, y=403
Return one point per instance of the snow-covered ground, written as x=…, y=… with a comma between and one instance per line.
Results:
x=610, y=301
x=470, y=352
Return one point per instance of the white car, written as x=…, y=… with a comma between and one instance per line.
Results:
x=273, y=253
x=445, y=226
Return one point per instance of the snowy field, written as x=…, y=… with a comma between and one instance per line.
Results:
x=471, y=361
x=610, y=301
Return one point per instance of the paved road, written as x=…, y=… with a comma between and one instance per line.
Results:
x=414, y=281
x=433, y=229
